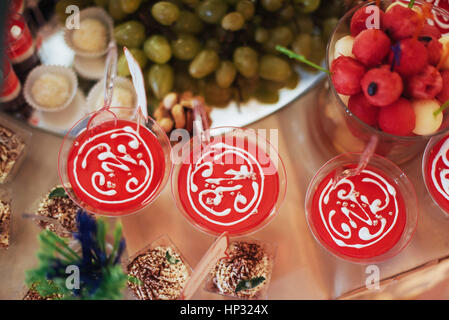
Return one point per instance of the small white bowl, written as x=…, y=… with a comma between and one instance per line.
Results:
x=37, y=72
x=91, y=13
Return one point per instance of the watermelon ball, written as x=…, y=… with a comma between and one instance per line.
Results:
x=443, y=96
x=401, y=22
x=362, y=109
x=371, y=47
x=398, y=118
x=408, y=57
x=381, y=86
x=431, y=31
x=434, y=49
x=426, y=121
x=425, y=84
x=364, y=17
x=347, y=73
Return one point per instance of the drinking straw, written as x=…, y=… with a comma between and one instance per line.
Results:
x=139, y=86
x=215, y=252
x=363, y=162
x=443, y=107
x=411, y=4
x=300, y=58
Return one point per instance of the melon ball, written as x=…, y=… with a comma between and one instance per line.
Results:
x=426, y=122
x=343, y=47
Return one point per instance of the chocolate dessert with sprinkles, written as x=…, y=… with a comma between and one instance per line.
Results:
x=161, y=273
x=58, y=207
x=245, y=273
x=11, y=148
x=5, y=216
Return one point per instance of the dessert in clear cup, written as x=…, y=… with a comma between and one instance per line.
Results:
x=245, y=271
x=367, y=217
x=388, y=77
x=56, y=212
x=13, y=143
x=114, y=166
x=5, y=217
x=234, y=181
x=435, y=167
x=160, y=271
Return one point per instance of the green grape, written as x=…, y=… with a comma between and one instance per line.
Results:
x=261, y=35
x=282, y=36
x=215, y=95
x=225, y=74
x=308, y=6
x=184, y=82
x=191, y=3
x=122, y=63
x=265, y=94
x=305, y=23
x=328, y=26
x=188, y=22
x=246, y=88
x=130, y=6
x=245, y=60
x=212, y=44
x=293, y=81
x=115, y=10
x=287, y=12
x=233, y=21
x=212, y=11
x=166, y=13
x=318, y=51
x=271, y=5
x=246, y=8
x=232, y=2
x=130, y=34
x=161, y=79
x=185, y=47
x=206, y=62
x=274, y=68
x=302, y=44
x=157, y=49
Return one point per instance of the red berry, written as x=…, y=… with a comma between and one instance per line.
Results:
x=362, y=109
x=398, y=118
x=401, y=22
x=381, y=86
x=425, y=84
x=444, y=94
x=363, y=17
x=346, y=75
x=434, y=49
x=409, y=55
x=432, y=31
x=371, y=47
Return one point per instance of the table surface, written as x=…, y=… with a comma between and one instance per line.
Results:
x=303, y=269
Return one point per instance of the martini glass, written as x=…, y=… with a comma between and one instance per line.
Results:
x=116, y=161
x=228, y=180
x=363, y=218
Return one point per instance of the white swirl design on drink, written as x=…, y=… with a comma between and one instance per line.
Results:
x=441, y=184
x=441, y=20
x=214, y=192
x=362, y=217
x=111, y=160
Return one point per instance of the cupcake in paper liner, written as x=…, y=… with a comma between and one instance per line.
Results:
x=124, y=98
x=95, y=31
x=50, y=88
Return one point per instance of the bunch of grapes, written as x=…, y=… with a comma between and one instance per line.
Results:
x=221, y=49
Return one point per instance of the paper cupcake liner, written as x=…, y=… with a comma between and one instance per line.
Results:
x=90, y=68
x=41, y=70
x=97, y=91
x=91, y=13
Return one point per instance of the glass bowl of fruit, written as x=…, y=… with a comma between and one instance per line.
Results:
x=389, y=77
